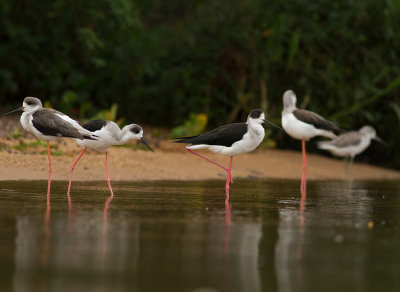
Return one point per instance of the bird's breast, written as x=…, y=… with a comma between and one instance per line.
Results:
x=24, y=120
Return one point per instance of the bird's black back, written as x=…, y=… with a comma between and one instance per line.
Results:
x=94, y=125
x=49, y=123
x=316, y=120
x=223, y=136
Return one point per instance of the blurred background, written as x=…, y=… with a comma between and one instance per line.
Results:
x=177, y=64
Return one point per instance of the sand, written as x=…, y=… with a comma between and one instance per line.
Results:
x=170, y=162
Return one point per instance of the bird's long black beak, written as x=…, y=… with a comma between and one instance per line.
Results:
x=268, y=122
x=145, y=143
x=13, y=111
x=378, y=139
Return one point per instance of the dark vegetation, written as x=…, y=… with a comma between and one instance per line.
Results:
x=161, y=60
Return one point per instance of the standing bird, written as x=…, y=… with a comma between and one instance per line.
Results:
x=108, y=134
x=48, y=124
x=351, y=143
x=304, y=125
x=230, y=140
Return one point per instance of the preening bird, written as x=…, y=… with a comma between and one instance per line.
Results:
x=304, y=125
x=108, y=134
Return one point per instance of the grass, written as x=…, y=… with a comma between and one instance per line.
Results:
x=23, y=145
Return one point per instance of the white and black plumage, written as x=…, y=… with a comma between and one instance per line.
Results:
x=304, y=125
x=351, y=143
x=49, y=124
x=108, y=134
x=230, y=140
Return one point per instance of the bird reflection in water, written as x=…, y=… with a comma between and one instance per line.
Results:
x=105, y=225
x=47, y=233
x=302, y=224
x=227, y=239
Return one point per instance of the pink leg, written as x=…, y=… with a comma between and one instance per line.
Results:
x=229, y=178
x=303, y=186
x=209, y=160
x=229, y=171
x=50, y=169
x=72, y=170
x=108, y=176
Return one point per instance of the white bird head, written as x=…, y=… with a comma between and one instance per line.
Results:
x=257, y=116
x=371, y=134
x=134, y=131
x=31, y=104
x=368, y=131
x=289, y=99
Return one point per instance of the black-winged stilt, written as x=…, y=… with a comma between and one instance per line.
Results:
x=304, y=125
x=351, y=143
x=49, y=124
x=230, y=140
x=108, y=134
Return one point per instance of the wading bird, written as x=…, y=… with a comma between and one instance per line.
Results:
x=304, y=125
x=230, y=140
x=351, y=144
x=48, y=124
x=108, y=134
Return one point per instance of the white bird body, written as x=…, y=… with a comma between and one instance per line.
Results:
x=110, y=134
x=302, y=124
x=351, y=143
x=49, y=124
x=300, y=130
x=250, y=140
x=230, y=140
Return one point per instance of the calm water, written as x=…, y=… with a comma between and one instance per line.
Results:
x=180, y=236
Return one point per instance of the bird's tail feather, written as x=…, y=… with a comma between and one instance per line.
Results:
x=91, y=137
x=182, y=139
x=323, y=144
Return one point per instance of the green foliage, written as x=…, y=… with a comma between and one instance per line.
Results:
x=160, y=60
x=109, y=115
x=23, y=145
x=16, y=134
x=191, y=127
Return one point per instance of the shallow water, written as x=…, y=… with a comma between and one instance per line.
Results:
x=180, y=236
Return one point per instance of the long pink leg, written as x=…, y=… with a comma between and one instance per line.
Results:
x=209, y=160
x=108, y=176
x=303, y=186
x=229, y=171
x=50, y=170
x=229, y=178
x=72, y=170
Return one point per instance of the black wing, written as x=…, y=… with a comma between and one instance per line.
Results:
x=49, y=123
x=94, y=125
x=316, y=120
x=223, y=136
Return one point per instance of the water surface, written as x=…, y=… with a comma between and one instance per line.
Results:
x=181, y=236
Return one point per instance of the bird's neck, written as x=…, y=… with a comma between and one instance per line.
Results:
x=255, y=128
x=288, y=109
x=123, y=136
x=24, y=119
